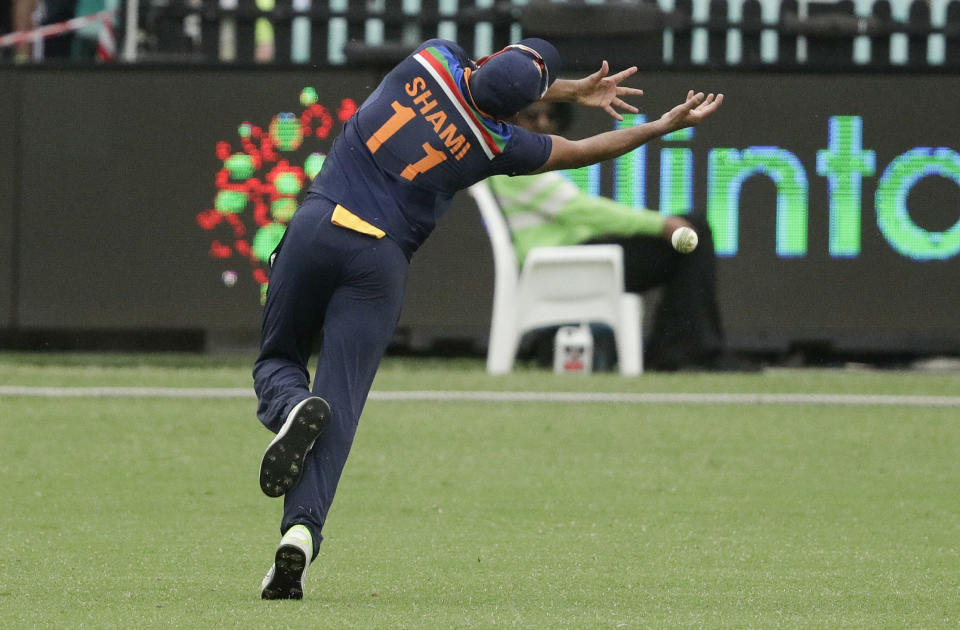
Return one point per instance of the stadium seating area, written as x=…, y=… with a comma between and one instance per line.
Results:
x=665, y=33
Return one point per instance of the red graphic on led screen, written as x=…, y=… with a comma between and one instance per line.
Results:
x=260, y=183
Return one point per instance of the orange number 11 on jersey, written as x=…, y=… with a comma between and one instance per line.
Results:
x=401, y=116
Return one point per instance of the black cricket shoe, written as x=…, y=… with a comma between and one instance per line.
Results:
x=284, y=580
x=282, y=463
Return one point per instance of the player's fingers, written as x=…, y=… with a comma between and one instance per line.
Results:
x=627, y=91
x=597, y=76
x=623, y=74
x=712, y=103
x=625, y=106
x=612, y=112
x=694, y=100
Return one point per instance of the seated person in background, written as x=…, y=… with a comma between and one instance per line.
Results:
x=548, y=210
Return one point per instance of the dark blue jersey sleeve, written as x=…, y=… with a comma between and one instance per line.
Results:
x=525, y=152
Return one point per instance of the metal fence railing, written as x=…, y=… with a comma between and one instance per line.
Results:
x=653, y=33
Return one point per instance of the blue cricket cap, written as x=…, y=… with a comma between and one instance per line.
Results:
x=508, y=81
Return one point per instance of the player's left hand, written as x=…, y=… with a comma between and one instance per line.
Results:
x=605, y=92
x=692, y=111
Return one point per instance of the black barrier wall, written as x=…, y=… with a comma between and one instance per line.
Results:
x=8, y=198
x=147, y=199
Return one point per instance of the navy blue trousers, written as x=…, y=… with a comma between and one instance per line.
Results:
x=346, y=288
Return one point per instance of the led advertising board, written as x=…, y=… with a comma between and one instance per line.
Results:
x=153, y=198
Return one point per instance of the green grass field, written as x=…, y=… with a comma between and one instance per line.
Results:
x=146, y=512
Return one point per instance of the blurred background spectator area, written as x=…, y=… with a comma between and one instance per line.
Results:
x=810, y=34
x=650, y=33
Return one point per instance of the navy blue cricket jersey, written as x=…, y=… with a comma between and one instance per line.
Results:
x=416, y=141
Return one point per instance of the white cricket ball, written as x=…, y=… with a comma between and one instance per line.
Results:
x=684, y=240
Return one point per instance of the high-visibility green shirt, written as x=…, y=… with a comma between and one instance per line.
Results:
x=548, y=209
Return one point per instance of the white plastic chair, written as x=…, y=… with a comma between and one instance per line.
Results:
x=556, y=286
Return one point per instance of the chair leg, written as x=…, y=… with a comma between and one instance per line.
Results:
x=502, y=349
x=629, y=337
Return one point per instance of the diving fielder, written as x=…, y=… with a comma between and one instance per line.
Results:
x=436, y=124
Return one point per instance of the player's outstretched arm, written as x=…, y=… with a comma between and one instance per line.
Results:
x=576, y=153
x=597, y=90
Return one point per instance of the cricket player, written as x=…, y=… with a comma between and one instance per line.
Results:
x=436, y=124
